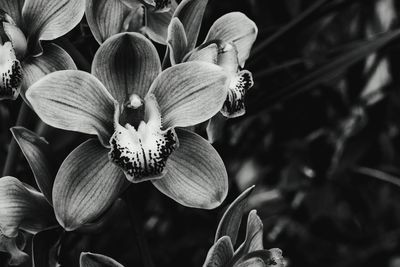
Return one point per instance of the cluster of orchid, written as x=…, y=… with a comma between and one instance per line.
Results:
x=142, y=110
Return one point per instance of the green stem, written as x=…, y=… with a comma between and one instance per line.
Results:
x=137, y=224
x=12, y=155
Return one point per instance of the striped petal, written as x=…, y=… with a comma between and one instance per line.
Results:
x=106, y=17
x=126, y=64
x=14, y=9
x=177, y=41
x=97, y=260
x=254, y=235
x=236, y=28
x=22, y=208
x=86, y=185
x=75, y=101
x=190, y=93
x=157, y=24
x=50, y=19
x=220, y=254
x=196, y=175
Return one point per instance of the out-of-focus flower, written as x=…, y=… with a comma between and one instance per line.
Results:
x=23, y=25
x=149, y=17
x=24, y=209
x=222, y=254
x=135, y=110
x=228, y=44
x=249, y=253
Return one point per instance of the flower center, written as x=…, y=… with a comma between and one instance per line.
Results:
x=12, y=45
x=141, y=150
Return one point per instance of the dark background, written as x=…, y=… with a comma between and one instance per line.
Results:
x=320, y=141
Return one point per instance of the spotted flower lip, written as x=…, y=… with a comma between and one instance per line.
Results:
x=137, y=112
x=149, y=17
x=228, y=44
x=24, y=24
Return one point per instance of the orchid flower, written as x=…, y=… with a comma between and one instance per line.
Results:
x=135, y=111
x=250, y=253
x=23, y=209
x=228, y=44
x=23, y=25
x=149, y=17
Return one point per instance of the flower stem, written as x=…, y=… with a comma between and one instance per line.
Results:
x=9, y=165
x=137, y=224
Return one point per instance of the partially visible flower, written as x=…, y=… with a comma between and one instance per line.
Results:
x=222, y=254
x=136, y=111
x=23, y=25
x=228, y=44
x=149, y=17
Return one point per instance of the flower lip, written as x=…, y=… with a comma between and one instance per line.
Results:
x=10, y=71
x=141, y=147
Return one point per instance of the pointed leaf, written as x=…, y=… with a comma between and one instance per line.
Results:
x=236, y=28
x=190, y=93
x=97, y=260
x=230, y=222
x=37, y=152
x=74, y=100
x=105, y=18
x=50, y=19
x=53, y=58
x=196, y=175
x=126, y=63
x=190, y=13
x=86, y=185
x=22, y=207
x=220, y=254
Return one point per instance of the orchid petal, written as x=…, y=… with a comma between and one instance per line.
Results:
x=177, y=42
x=74, y=100
x=206, y=53
x=190, y=93
x=253, y=262
x=50, y=19
x=271, y=257
x=106, y=17
x=230, y=222
x=9, y=245
x=22, y=207
x=53, y=58
x=215, y=128
x=254, y=235
x=236, y=28
x=220, y=254
x=126, y=63
x=14, y=9
x=190, y=13
x=97, y=260
x=196, y=175
x=86, y=185
x=157, y=24
x=36, y=151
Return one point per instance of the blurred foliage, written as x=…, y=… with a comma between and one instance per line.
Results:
x=320, y=141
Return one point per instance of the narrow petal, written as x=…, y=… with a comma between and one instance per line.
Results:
x=157, y=24
x=106, y=17
x=190, y=93
x=196, y=175
x=53, y=58
x=190, y=13
x=126, y=63
x=230, y=222
x=86, y=185
x=50, y=19
x=37, y=152
x=22, y=207
x=10, y=245
x=97, y=260
x=177, y=42
x=14, y=9
x=75, y=101
x=254, y=236
x=236, y=28
x=220, y=254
